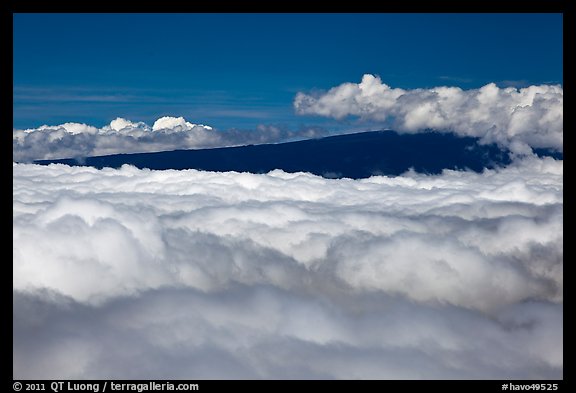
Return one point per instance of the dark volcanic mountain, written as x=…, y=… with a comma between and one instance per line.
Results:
x=355, y=156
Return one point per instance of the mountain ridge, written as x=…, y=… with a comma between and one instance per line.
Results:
x=357, y=155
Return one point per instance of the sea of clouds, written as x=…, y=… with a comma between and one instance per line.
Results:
x=128, y=273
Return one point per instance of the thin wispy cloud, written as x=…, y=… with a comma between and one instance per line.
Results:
x=78, y=104
x=458, y=79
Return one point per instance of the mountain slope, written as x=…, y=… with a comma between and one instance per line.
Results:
x=355, y=156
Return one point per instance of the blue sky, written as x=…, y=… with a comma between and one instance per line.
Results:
x=242, y=70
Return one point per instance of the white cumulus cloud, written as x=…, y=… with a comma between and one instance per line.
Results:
x=77, y=140
x=516, y=118
x=175, y=124
x=71, y=140
x=128, y=273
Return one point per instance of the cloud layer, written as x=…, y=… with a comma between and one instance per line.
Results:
x=186, y=274
x=516, y=118
x=77, y=140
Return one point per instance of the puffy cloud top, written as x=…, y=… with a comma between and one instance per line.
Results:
x=120, y=124
x=516, y=118
x=74, y=140
x=175, y=124
x=191, y=274
x=77, y=128
x=120, y=136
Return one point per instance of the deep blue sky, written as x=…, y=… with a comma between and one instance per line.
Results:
x=241, y=70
